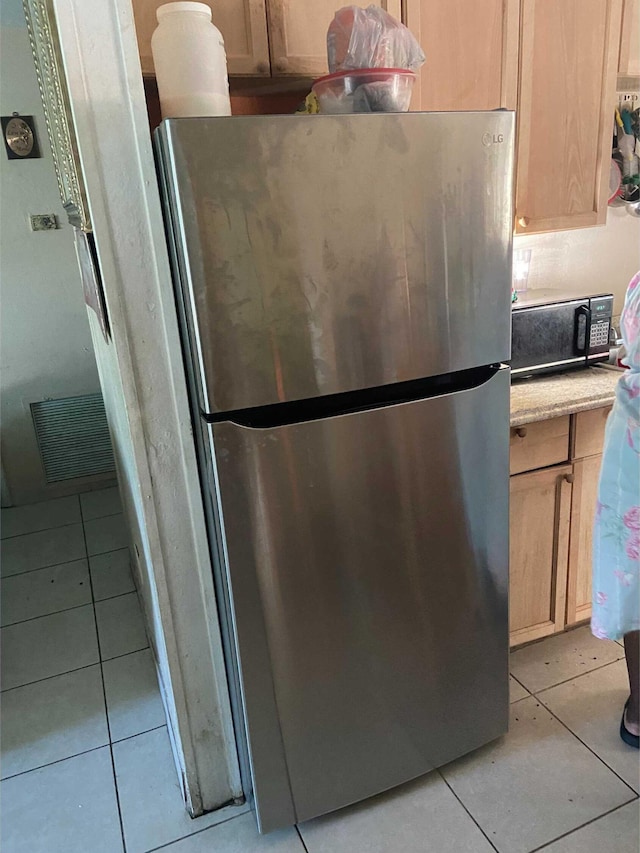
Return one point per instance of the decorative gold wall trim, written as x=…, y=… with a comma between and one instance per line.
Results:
x=43, y=35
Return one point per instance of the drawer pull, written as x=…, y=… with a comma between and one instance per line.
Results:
x=568, y=478
x=523, y=221
x=521, y=432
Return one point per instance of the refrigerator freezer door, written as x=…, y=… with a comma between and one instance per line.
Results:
x=368, y=563
x=323, y=254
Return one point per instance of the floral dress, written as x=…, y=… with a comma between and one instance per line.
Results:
x=616, y=537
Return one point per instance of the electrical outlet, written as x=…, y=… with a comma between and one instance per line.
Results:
x=628, y=100
x=43, y=222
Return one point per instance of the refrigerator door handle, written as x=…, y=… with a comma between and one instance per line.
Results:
x=350, y=402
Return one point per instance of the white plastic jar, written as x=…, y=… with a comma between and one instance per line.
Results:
x=190, y=62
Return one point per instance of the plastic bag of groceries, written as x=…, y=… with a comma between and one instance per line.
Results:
x=370, y=38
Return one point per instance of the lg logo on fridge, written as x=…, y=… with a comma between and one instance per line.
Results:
x=489, y=139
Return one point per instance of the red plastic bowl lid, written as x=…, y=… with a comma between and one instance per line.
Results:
x=338, y=74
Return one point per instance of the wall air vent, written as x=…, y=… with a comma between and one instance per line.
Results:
x=73, y=437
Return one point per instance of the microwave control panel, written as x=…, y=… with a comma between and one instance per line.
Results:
x=601, y=313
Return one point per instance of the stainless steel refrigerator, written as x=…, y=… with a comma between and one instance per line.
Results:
x=344, y=286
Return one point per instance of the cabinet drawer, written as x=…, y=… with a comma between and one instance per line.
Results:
x=539, y=444
x=588, y=434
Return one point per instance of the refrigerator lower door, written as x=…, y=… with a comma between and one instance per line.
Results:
x=368, y=565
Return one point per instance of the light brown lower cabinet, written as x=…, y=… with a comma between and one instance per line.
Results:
x=539, y=552
x=583, y=508
x=551, y=523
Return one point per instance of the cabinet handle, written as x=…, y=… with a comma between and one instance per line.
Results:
x=263, y=68
x=568, y=478
x=521, y=432
x=523, y=221
x=282, y=65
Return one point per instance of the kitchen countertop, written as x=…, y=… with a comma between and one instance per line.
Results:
x=546, y=397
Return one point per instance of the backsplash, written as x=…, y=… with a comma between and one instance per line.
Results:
x=586, y=260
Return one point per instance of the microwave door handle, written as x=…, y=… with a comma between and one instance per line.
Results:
x=583, y=324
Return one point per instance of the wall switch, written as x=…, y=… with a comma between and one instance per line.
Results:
x=43, y=222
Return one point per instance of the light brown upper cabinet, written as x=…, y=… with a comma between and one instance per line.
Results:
x=568, y=65
x=243, y=24
x=298, y=33
x=472, y=53
x=629, y=63
x=295, y=43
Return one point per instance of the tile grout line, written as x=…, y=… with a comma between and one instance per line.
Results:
x=520, y=683
x=81, y=520
x=88, y=557
x=67, y=609
x=304, y=846
x=106, y=515
x=104, y=698
x=49, y=677
x=5, y=578
x=573, y=677
x=40, y=568
x=132, y=652
x=137, y=734
x=98, y=517
x=586, y=745
x=75, y=669
x=77, y=754
x=442, y=776
x=46, y=615
x=117, y=595
x=200, y=831
x=42, y=530
x=582, y=826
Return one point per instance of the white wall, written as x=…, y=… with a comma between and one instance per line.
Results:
x=588, y=259
x=45, y=348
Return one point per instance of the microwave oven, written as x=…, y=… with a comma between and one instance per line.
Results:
x=551, y=331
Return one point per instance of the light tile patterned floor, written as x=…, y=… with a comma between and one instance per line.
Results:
x=86, y=759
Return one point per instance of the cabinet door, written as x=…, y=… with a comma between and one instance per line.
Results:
x=243, y=24
x=588, y=432
x=471, y=50
x=539, y=549
x=629, y=62
x=298, y=33
x=583, y=508
x=568, y=61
